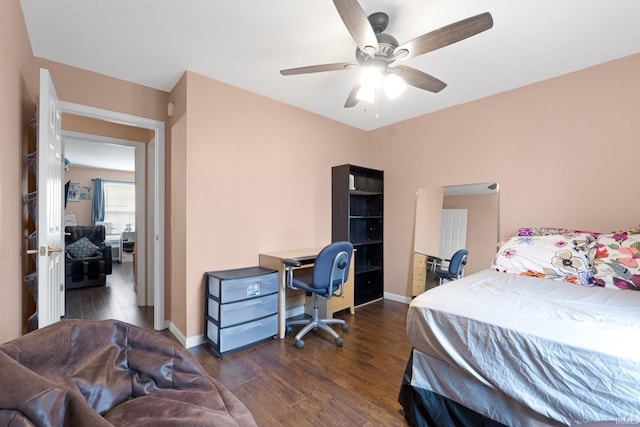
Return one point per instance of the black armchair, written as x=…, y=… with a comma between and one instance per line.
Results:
x=88, y=256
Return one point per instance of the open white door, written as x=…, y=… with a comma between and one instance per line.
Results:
x=50, y=264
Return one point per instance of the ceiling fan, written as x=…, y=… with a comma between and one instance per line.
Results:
x=378, y=51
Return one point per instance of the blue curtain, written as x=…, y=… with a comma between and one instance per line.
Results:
x=97, y=206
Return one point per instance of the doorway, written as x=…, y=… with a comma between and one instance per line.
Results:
x=150, y=249
x=88, y=157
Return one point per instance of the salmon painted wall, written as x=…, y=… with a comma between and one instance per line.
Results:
x=91, y=126
x=563, y=150
x=258, y=180
x=176, y=182
x=16, y=108
x=83, y=176
x=100, y=91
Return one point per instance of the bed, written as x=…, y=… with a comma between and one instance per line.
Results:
x=548, y=336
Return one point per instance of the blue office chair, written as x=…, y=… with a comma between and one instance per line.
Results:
x=330, y=272
x=455, y=268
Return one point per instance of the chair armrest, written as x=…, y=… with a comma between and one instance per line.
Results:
x=291, y=262
x=108, y=257
x=435, y=262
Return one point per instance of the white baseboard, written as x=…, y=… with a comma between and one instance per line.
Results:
x=296, y=311
x=194, y=341
x=186, y=342
x=177, y=333
x=396, y=297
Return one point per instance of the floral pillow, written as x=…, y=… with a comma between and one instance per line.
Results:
x=548, y=231
x=630, y=230
x=559, y=256
x=616, y=261
x=82, y=248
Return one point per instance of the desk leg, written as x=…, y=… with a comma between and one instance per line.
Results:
x=282, y=307
x=275, y=263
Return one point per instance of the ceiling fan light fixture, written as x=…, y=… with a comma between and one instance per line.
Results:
x=377, y=51
x=394, y=85
x=370, y=81
x=367, y=94
x=371, y=77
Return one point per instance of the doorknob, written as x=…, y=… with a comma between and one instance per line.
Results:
x=44, y=251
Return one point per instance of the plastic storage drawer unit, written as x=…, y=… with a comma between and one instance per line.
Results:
x=241, y=308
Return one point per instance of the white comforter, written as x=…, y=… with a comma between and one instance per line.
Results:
x=566, y=352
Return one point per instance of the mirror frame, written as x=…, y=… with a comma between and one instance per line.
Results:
x=483, y=231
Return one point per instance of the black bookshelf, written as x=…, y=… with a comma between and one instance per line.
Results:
x=357, y=216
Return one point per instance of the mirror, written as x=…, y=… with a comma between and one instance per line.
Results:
x=450, y=218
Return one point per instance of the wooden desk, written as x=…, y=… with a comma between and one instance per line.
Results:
x=289, y=298
x=424, y=267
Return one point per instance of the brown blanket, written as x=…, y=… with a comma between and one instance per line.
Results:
x=104, y=373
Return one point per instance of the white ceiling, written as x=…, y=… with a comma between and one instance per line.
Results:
x=93, y=152
x=465, y=190
x=246, y=42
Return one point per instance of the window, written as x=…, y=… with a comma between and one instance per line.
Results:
x=120, y=205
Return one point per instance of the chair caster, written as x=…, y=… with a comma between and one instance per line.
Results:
x=345, y=327
x=299, y=344
x=288, y=330
x=339, y=342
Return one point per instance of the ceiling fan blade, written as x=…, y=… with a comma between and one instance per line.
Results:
x=358, y=25
x=351, y=99
x=419, y=79
x=317, y=68
x=444, y=36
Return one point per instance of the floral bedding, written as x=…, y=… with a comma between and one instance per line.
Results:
x=581, y=257
x=616, y=261
x=549, y=231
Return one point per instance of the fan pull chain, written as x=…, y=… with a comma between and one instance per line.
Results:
x=376, y=111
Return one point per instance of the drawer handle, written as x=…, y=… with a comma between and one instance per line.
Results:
x=252, y=302
x=252, y=325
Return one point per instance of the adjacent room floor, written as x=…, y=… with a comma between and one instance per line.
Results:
x=356, y=385
x=116, y=300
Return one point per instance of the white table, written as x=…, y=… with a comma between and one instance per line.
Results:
x=116, y=245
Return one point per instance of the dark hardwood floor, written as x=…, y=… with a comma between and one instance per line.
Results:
x=319, y=385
